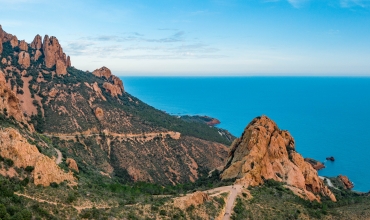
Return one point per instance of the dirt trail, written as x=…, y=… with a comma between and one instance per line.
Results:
x=60, y=156
x=234, y=191
x=78, y=208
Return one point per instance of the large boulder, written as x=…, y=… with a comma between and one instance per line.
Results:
x=266, y=152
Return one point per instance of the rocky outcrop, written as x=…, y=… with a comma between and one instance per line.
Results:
x=103, y=72
x=112, y=89
x=61, y=67
x=23, y=45
x=347, y=183
x=72, y=164
x=1, y=39
x=315, y=164
x=99, y=113
x=194, y=199
x=330, y=158
x=14, y=41
x=9, y=102
x=37, y=42
x=37, y=55
x=15, y=147
x=54, y=55
x=68, y=61
x=113, y=85
x=266, y=152
x=24, y=59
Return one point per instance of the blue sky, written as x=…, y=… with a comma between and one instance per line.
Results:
x=202, y=37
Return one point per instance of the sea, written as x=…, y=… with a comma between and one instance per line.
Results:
x=327, y=116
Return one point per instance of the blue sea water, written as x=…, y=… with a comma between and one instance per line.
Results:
x=326, y=116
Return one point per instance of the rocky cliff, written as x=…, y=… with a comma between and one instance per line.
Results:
x=15, y=147
x=265, y=152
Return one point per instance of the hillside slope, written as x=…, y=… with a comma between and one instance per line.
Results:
x=95, y=121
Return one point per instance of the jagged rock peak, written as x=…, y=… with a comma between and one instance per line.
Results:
x=54, y=55
x=265, y=152
x=37, y=42
x=23, y=45
x=113, y=85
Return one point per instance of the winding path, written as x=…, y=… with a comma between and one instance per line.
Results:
x=60, y=156
x=234, y=190
x=78, y=208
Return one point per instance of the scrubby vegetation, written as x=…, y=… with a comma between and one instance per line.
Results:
x=274, y=201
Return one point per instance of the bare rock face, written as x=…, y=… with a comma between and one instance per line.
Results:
x=104, y=71
x=61, y=68
x=194, y=199
x=266, y=152
x=14, y=41
x=69, y=62
x=23, y=45
x=72, y=164
x=37, y=55
x=54, y=55
x=37, y=42
x=112, y=89
x=113, y=85
x=24, y=59
x=1, y=39
x=15, y=147
x=347, y=183
x=99, y=113
x=9, y=101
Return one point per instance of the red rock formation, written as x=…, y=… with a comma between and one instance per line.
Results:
x=347, y=183
x=54, y=55
x=14, y=41
x=113, y=85
x=213, y=122
x=69, y=62
x=104, y=71
x=99, y=113
x=37, y=42
x=266, y=152
x=72, y=164
x=9, y=101
x=37, y=55
x=15, y=147
x=315, y=164
x=23, y=45
x=24, y=59
x=61, y=67
x=1, y=39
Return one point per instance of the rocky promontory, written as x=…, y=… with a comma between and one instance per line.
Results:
x=265, y=152
x=317, y=165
